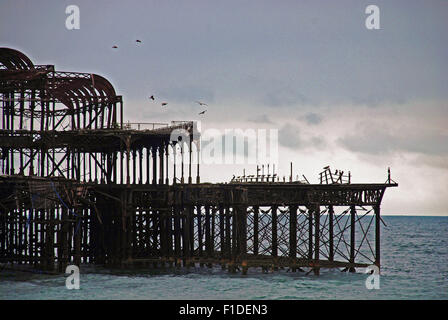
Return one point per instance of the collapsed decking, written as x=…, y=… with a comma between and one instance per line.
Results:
x=81, y=186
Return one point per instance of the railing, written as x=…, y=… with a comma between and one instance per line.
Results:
x=336, y=177
x=144, y=125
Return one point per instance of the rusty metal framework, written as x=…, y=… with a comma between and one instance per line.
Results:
x=80, y=185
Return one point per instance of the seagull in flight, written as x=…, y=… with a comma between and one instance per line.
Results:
x=201, y=103
x=114, y=47
x=152, y=97
x=164, y=104
x=138, y=41
x=202, y=112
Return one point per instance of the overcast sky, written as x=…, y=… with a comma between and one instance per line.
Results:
x=338, y=93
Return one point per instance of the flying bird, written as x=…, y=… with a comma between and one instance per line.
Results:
x=164, y=104
x=201, y=103
x=114, y=47
x=202, y=112
x=139, y=41
x=151, y=97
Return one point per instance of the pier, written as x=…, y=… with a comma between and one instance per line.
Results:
x=80, y=185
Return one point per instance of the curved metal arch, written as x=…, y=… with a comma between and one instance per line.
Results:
x=82, y=90
x=103, y=84
x=15, y=60
x=77, y=92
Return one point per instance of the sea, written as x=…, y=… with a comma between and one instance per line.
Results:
x=414, y=258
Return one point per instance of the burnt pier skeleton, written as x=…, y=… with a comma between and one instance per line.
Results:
x=79, y=185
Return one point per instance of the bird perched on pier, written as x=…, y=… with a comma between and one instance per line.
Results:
x=202, y=112
x=152, y=98
x=201, y=103
x=327, y=167
x=164, y=104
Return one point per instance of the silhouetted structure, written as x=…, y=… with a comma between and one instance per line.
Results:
x=79, y=185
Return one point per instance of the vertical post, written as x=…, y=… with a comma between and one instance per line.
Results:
x=121, y=114
x=161, y=151
x=177, y=231
x=186, y=222
x=77, y=244
x=377, y=236
x=134, y=166
x=50, y=235
x=162, y=225
x=167, y=181
x=228, y=233
x=310, y=233
x=256, y=213
x=352, y=236
x=121, y=167
x=331, y=235
x=221, y=230
x=148, y=168
x=63, y=254
x=154, y=164
x=190, y=158
x=19, y=234
x=274, y=231
x=290, y=176
x=212, y=234
x=31, y=233
x=316, y=237
x=174, y=160
x=137, y=231
x=42, y=234
x=242, y=230
x=191, y=214
x=140, y=160
x=293, y=231
x=169, y=232
x=155, y=228
x=207, y=232
x=128, y=151
x=198, y=178
x=234, y=233
x=199, y=218
x=182, y=162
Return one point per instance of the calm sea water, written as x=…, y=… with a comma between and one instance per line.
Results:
x=414, y=266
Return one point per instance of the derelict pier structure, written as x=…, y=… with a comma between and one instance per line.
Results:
x=79, y=185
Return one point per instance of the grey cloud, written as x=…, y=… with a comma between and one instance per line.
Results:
x=289, y=136
x=297, y=52
x=383, y=141
x=313, y=118
x=263, y=118
x=318, y=142
x=284, y=97
x=440, y=162
x=187, y=94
